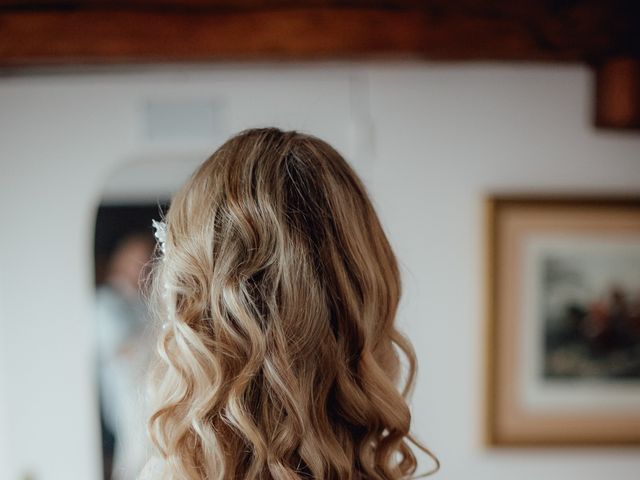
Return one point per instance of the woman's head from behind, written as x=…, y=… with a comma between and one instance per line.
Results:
x=280, y=358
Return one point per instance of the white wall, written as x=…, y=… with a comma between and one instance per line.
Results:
x=429, y=140
x=4, y=411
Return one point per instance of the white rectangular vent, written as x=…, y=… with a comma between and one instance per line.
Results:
x=184, y=119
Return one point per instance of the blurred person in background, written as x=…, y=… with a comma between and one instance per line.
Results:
x=124, y=345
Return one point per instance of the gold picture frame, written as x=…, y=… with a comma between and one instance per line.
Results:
x=552, y=377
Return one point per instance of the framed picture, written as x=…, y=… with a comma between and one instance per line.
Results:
x=563, y=278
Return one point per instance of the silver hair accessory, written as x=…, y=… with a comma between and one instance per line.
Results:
x=160, y=232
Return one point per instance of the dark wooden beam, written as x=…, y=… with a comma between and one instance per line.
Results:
x=103, y=31
x=618, y=93
x=147, y=36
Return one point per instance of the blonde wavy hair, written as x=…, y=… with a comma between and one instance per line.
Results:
x=280, y=358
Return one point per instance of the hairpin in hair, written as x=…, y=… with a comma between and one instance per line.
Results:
x=160, y=233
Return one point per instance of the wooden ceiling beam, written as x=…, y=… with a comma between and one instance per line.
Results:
x=103, y=32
